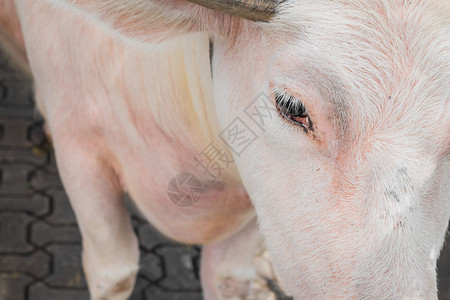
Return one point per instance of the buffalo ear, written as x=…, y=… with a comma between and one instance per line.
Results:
x=254, y=10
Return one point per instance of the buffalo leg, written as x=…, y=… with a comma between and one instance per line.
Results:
x=110, y=247
x=237, y=267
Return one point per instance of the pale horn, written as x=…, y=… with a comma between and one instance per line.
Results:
x=255, y=10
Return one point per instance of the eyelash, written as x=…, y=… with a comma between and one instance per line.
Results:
x=293, y=110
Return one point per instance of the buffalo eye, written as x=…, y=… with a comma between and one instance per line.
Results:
x=293, y=110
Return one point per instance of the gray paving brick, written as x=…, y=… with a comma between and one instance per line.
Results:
x=35, y=204
x=37, y=263
x=179, y=266
x=4, y=59
x=42, y=233
x=8, y=72
x=43, y=179
x=16, y=92
x=150, y=237
x=67, y=271
x=15, y=132
x=17, y=111
x=51, y=163
x=62, y=211
x=36, y=134
x=443, y=283
x=155, y=293
x=443, y=266
x=151, y=267
x=12, y=286
x=22, y=155
x=39, y=291
x=444, y=260
x=14, y=178
x=13, y=233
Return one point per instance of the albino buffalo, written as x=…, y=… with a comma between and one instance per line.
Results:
x=323, y=123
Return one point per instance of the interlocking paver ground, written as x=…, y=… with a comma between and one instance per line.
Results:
x=39, y=239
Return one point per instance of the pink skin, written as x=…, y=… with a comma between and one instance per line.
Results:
x=356, y=209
